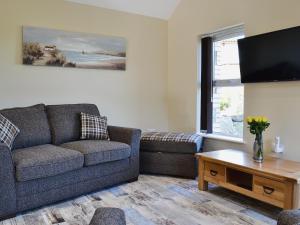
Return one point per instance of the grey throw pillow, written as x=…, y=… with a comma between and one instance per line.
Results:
x=93, y=127
x=8, y=132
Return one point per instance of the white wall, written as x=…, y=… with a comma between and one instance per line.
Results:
x=136, y=97
x=278, y=101
x=159, y=88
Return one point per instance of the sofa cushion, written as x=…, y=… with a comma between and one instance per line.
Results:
x=171, y=142
x=96, y=152
x=75, y=177
x=44, y=161
x=65, y=121
x=33, y=124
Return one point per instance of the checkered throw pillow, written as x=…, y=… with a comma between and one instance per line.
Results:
x=93, y=127
x=8, y=132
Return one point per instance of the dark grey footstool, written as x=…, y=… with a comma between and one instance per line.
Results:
x=289, y=217
x=108, y=216
x=169, y=153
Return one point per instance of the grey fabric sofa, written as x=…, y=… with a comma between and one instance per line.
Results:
x=49, y=162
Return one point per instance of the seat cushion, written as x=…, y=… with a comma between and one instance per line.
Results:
x=100, y=151
x=64, y=121
x=81, y=176
x=44, y=161
x=33, y=124
x=171, y=142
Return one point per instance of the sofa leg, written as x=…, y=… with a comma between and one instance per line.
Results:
x=7, y=217
x=133, y=179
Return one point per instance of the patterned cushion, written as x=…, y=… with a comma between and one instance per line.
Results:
x=8, y=132
x=170, y=136
x=93, y=127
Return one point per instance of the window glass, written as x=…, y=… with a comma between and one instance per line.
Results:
x=226, y=59
x=228, y=106
x=228, y=92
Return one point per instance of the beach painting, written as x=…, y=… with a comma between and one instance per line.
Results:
x=50, y=47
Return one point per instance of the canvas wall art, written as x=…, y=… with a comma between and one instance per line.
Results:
x=50, y=47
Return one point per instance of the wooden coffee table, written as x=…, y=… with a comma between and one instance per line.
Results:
x=275, y=181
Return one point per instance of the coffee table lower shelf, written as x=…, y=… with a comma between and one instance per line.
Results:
x=276, y=190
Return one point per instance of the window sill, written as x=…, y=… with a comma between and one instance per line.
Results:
x=224, y=138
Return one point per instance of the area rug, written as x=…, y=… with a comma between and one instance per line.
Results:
x=157, y=200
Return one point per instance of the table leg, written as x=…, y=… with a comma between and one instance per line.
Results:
x=296, y=196
x=288, y=195
x=202, y=184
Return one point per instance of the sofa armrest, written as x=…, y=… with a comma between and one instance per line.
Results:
x=132, y=137
x=7, y=184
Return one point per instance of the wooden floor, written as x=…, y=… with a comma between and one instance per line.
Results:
x=157, y=200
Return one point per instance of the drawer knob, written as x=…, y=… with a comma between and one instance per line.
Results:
x=213, y=173
x=268, y=190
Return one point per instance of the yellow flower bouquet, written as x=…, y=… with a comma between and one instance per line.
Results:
x=257, y=125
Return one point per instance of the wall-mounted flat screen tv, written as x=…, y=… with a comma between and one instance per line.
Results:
x=270, y=57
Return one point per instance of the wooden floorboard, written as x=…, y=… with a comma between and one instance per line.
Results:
x=157, y=200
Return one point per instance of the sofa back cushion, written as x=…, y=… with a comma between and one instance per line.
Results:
x=65, y=121
x=33, y=124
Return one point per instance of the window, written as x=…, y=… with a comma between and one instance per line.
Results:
x=222, y=94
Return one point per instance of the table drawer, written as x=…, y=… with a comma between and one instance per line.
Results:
x=269, y=188
x=214, y=172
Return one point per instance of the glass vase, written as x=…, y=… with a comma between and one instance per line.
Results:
x=258, y=155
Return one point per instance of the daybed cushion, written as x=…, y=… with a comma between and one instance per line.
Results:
x=65, y=121
x=33, y=124
x=44, y=161
x=100, y=151
x=171, y=142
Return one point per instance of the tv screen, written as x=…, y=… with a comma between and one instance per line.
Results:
x=270, y=57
